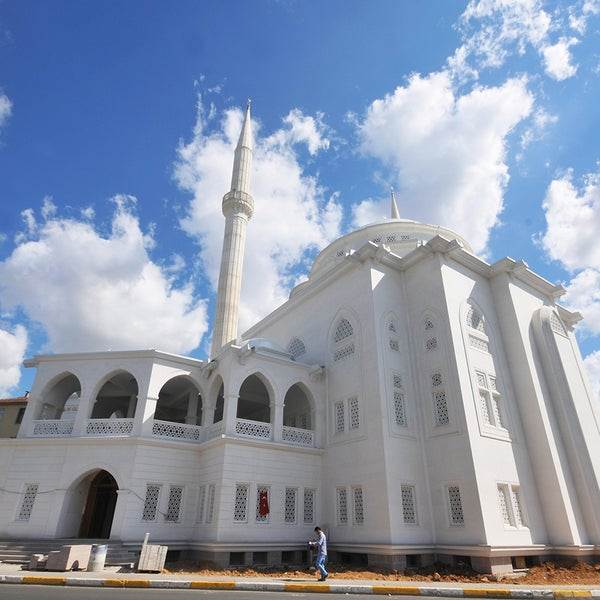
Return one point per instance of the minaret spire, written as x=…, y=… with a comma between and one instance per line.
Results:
x=238, y=207
x=395, y=213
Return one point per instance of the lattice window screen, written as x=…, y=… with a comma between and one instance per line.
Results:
x=409, y=511
x=392, y=327
x=503, y=504
x=517, y=507
x=394, y=345
x=359, y=509
x=174, y=503
x=342, y=506
x=556, y=324
x=151, y=502
x=354, y=413
x=457, y=516
x=440, y=407
x=340, y=421
x=201, y=504
x=296, y=348
x=309, y=505
x=428, y=324
x=240, y=507
x=210, y=507
x=483, y=403
x=343, y=330
x=475, y=320
x=499, y=421
x=31, y=490
x=436, y=379
x=431, y=344
x=259, y=489
x=479, y=344
x=343, y=352
x=289, y=508
x=399, y=409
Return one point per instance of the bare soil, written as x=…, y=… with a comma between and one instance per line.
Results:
x=551, y=573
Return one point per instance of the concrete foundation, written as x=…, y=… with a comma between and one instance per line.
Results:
x=394, y=561
x=496, y=565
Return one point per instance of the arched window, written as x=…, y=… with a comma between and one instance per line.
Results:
x=296, y=410
x=393, y=329
x=117, y=398
x=61, y=400
x=477, y=332
x=254, y=403
x=343, y=340
x=296, y=348
x=430, y=336
x=179, y=401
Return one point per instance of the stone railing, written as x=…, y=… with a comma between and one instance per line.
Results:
x=298, y=437
x=52, y=428
x=215, y=430
x=253, y=429
x=177, y=431
x=109, y=427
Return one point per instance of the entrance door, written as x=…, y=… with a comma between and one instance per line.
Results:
x=100, y=507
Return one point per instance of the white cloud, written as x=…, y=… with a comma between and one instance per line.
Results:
x=557, y=59
x=5, y=109
x=592, y=365
x=445, y=152
x=48, y=208
x=13, y=345
x=583, y=295
x=291, y=215
x=93, y=292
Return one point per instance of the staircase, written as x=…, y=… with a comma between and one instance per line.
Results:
x=20, y=551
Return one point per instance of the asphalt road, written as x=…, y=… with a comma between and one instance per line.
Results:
x=48, y=592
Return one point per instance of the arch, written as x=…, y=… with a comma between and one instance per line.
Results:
x=343, y=330
x=254, y=399
x=179, y=401
x=89, y=506
x=64, y=389
x=217, y=398
x=343, y=336
x=116, y=397
x=296, y=348
x=297, y=407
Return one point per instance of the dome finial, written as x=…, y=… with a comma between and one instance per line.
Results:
x=395, y=213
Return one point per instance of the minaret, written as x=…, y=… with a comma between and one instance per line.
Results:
x=395, y=213
x=238, y=207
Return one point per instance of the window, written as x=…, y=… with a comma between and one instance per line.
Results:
x=309, y=505
x=428, y=324
x=517, y=506
x=263, y=509
x=409, y=512
x=340, y=418
x=151, y=502
x=556, y=324
x=210, y=507
x=174, y=503
x=296, y=348
x=478, y=337
x=457, y=517
x=399, y=404
x=342, y=506
x=354, y=413
x=503, y=504
x=359, y=513
x=20, y=415
x=240, y=507
x=201, y=504
x=490, y=400
x=31, y=490
x=289, y=508
x=394, y=345
x=509, y=500
x=343, y=352
x=431, y=344
x=475, y=320
x=344, y=347
x=440, y=408
x=343, y=330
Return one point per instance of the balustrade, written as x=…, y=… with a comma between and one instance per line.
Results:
x=52, y=428
x=109, y=427
x=253, y=429
x=297, y=436
x=177, y=431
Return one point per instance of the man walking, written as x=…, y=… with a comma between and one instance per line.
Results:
x=321, y=547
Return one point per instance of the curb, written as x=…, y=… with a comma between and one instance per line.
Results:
x=302, y=587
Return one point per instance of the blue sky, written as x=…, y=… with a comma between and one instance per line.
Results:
x=117, y=122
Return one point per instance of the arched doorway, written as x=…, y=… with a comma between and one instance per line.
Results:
x=99, y=510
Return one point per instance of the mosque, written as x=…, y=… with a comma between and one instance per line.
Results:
x=412, y=399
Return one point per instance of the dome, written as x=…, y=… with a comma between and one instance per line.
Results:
x=400, y=235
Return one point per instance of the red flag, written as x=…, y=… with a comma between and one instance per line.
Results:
x=263, y=503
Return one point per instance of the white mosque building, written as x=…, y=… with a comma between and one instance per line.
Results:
x=414, y=400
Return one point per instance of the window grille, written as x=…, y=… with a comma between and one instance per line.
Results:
x=399, y=409
x=481, y=379
x=397, y=380
x=440, y=404
x=343, y=352
x=556, y=324
x=359, y=511
x=517, y=507
x=259, y=490
x=296, y=348
x=309, y=505
x=31, y=490
x=475, y=320
x=343, y=330
x=409, y=512
x=502, y=501
x=490, y=400
x=390, y=238
x=201, y=504
x=498, y=420
x=428, y=324
x=340, y=424
x=376, y=240
x=392, y=327
x=342, y=506
x=457, y=516
x=151, y=502
x=210, y=507
x=240, y=506
x=174, y=503
x=479, y=344
x=436, y=379
x=354, y=413
x=340, y=252
x=394, y=345
x=485, y=411
x=289, y=509
x=431, y=344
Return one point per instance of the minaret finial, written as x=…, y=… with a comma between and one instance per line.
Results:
x=395, y=213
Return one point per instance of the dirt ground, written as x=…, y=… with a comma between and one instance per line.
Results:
x=547, y=573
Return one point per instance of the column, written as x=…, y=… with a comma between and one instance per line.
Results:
x=192, y=408
x=277, y=420
x=144, y=417
x=131, y=406
x=230, y=413
x=84, y=412
x=208, y=415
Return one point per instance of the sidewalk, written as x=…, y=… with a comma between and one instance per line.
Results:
x=10, y=574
